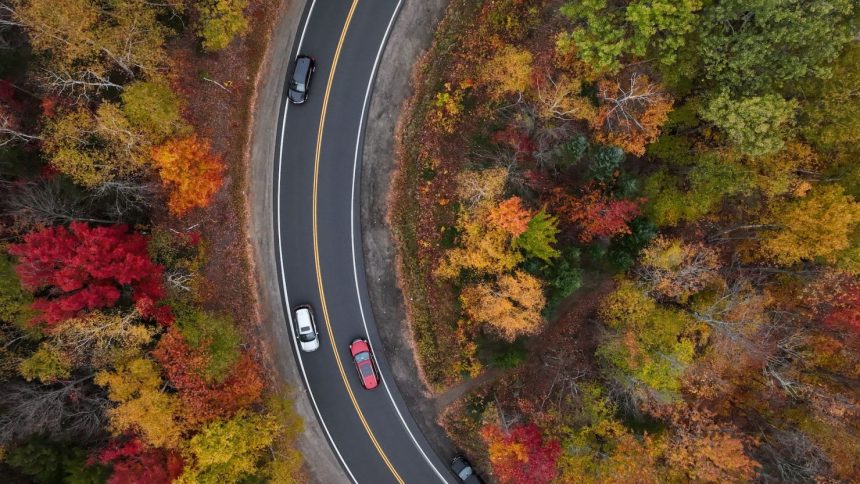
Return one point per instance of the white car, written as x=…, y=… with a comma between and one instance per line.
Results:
x=306, y=328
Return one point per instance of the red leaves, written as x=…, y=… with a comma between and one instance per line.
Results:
x=202, y=401
x=135, y=463
x=596, y=214
x=847, y=314
x=521, y=455
x=82, y=268
x=516, y=139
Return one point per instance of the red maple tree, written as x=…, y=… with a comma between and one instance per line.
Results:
x=204, y=401
x=595, y=214
x=521, y=455
x=846, y=315
x=135, y=463
x=78, y=268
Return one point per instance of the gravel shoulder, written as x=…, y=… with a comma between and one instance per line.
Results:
x=320, y=462
x=410, y=37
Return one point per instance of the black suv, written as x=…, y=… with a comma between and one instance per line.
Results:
x=301, y=79
x=464, y=470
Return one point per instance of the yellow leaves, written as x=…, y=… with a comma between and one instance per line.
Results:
x=447, y=109
x=483, y=249
x=93, y=149
x=228, y=451
x=677, y=270
x=561, y=99
x=511, y=306
x=475, y=187
x=627, y=306
x=818, y=225
x=142, y=405
x=99, y=340
x=508, y=72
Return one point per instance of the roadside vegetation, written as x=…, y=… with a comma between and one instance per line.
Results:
x=127, y=348
x=643, y=212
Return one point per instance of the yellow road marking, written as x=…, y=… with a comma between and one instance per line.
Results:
x=316, y=247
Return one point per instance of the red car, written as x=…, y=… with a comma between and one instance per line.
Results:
x=363, y=359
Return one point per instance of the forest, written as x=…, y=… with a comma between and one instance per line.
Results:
x=640, y=218
x=126, y=325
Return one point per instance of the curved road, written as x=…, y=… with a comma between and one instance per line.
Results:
x=318, y=236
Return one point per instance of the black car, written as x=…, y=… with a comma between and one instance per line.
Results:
x=299, y=83
x=464, y=470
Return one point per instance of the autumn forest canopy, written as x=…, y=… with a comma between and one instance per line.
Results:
x=124, y=358
x=640, y=217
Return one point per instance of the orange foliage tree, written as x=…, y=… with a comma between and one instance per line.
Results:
x=631, y=112
x=511, y=216
x=202, y=401
x=192, y=172
x=511, y=307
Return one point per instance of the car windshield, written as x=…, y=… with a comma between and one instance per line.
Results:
x=366, y=370
x=306, y=335
x=363, y=356
x=307, y=338
x=297, y=86
x=465, y=473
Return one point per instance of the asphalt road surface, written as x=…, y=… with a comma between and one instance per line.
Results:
x=317, y=163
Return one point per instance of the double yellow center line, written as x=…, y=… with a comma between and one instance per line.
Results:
x=316, y=247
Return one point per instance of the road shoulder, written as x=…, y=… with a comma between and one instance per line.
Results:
x=410, y=37
x=320, y=462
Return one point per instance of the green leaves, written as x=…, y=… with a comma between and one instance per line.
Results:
x=220, y=21
x=538, y=239
x=152, y=107
x=755, y=125
x=751, y=48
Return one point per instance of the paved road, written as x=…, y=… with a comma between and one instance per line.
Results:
x=319, y=244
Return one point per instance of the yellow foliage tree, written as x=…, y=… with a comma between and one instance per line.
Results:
x=511, y=306
x=818, y=225
x=98, y=339
x=677, y=270
x=94, y=149
x=482, y=248
x=474, y=187
x=228, y=451
x=142, y=406
x=561, y=99
x=508, y=72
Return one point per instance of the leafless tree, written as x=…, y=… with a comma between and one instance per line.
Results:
x=121, y=199
x=11, y=133
x=627, y=100
x=82, y=86
x=72, y=409
x=41, y=203
x=793, y=456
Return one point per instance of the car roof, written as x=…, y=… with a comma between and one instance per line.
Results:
x=303, y=316
x=302, y=64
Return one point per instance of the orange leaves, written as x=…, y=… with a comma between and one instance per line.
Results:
x=191, y=171
x=202, y=401
x=631, y=112
x=510, y=216
x=511, y=307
